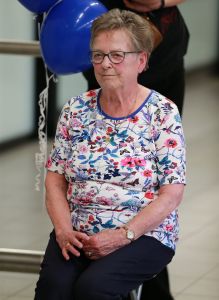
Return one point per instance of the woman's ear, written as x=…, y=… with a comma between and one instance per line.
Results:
x=143, y=62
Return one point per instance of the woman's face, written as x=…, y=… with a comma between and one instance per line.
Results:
x=110, y=75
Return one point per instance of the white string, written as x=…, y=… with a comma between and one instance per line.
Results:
x=41, y=156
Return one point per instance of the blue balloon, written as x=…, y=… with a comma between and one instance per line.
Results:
x=65, y=35
x=38, y=6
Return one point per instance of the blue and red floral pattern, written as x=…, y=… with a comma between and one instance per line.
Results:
x=115, y=166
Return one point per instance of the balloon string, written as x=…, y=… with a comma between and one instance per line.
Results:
x=41, y=156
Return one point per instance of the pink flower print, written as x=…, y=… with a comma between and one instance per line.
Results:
x=168, y=130
x=85, y=200
x=169, y=227
x=82, y=200
x=101, y=149
x=109, y=130
x=129, y=139
x=147, y=173
x=91, y=193
x=166, y=117
x=134, y=119
x=140, y=162
x=115, y=163
x=69, y=192
x=167, y=172
x=91, y=170
x=91, y=93
x=153, y=132
x=75, y=122
x=93, y=101
x=128, y=162
x=149, y=195
x=173, y=165
x=64, y=132
x=104, y=201
x=81, y=185
x=49, y=163
x=82, y=149
x=91, y=218
x=170, y=143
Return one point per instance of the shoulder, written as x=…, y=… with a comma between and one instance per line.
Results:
x=159, y=101
x=162, y=108
x=81, y=102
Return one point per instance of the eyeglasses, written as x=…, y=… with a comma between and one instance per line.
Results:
x=116, y=57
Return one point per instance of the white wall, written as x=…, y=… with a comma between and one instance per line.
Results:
x=201, y=17
x=16, y=73
x=69, y=86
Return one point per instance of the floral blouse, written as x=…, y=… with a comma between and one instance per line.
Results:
x=115, y=166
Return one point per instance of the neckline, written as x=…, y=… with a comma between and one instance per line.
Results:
x=101, y=112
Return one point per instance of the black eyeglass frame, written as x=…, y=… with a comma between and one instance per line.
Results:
x=109, y=55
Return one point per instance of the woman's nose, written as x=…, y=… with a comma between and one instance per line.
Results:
x=106, y=63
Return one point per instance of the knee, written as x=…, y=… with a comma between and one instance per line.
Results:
x=91, y=288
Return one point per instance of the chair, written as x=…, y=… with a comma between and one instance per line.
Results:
x=136, y=294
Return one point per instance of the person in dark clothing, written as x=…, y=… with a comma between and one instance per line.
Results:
x=165, y=74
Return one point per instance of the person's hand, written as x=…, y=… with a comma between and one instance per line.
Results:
x=142, y=5
x=105, y=242
x=71, y=241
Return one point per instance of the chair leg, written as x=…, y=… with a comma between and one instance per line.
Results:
x=136, y=294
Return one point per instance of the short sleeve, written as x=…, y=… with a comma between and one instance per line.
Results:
x=170, y=144
x=61, y=146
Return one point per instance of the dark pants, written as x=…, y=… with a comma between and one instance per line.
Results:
x=109, y=278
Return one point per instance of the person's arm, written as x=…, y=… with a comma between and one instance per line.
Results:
x=147, y=219
x=149, y=5
x=58, y=210
x=153, y=215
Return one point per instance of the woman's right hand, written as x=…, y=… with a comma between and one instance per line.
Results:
x=71, y=241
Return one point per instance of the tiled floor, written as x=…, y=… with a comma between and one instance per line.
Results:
x=194, y=272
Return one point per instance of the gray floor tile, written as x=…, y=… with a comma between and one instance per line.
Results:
x=12, y=284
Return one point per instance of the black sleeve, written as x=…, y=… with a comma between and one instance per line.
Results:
x=109, y=4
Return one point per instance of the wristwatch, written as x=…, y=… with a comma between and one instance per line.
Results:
x=130, y=235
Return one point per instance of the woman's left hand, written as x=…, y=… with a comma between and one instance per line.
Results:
x=105, y=242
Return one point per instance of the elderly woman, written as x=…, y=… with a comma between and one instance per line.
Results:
x=116, y=174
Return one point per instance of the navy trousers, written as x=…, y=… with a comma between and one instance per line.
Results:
x=109, y=278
